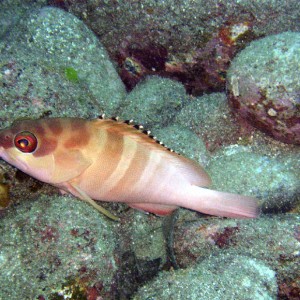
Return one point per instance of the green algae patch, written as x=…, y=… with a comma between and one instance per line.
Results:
x=71, y=74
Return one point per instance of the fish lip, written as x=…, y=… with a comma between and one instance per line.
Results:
x=11, y=160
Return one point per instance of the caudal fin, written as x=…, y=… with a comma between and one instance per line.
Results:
x=220, y=203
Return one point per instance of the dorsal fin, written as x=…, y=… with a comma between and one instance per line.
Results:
x=140, y=128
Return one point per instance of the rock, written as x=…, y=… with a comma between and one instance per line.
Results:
x=177, y=39
x=145, y=233
x=264, y=87
x=195, y=240
x=12, y=11
x=210, y=117
x=183, y=141
x=274, y=180
x=52, y=64
x=218, y=277
x=54, y=246
x=273, y=239
x=154, y=102
x=141, y=252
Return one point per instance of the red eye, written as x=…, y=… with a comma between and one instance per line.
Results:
x=25, y=141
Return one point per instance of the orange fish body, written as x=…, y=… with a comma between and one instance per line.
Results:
x=109, y=160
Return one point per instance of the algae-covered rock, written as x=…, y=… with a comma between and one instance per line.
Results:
x=11, y=11
x=144, y=232
x=141, y=251
x=209, y=116
x=188, y=40
x=52, y=246
x=272, y=179
x=218, y=277
x=50, y=62
x=154, y=102
x=273, y=239
x=184, y=141
x=264, y=87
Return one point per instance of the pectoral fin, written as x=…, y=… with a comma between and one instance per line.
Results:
x=75, y=190
x=68, y=165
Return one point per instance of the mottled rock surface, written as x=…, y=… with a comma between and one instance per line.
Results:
x=188, y=40
x=185, y=141
x=11, y=11
x=220, y=277
x=210, y=117
x=44, y=252
x=273, y=179
x=154, y=102
x=52, y=64
x=264, y=87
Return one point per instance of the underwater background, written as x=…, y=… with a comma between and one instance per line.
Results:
x=217, y=81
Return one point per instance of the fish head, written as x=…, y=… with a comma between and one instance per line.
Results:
x=37, y=147
x=26, y=146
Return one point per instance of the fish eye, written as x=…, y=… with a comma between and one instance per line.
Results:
x=25, y=141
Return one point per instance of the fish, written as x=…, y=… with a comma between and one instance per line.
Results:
x=116, y=161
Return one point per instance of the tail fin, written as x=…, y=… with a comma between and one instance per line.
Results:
x=220, y=203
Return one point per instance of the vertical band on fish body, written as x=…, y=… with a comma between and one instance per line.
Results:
x=123, y=166
x=123, y=158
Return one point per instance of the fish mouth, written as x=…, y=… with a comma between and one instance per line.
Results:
x=13, y=160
